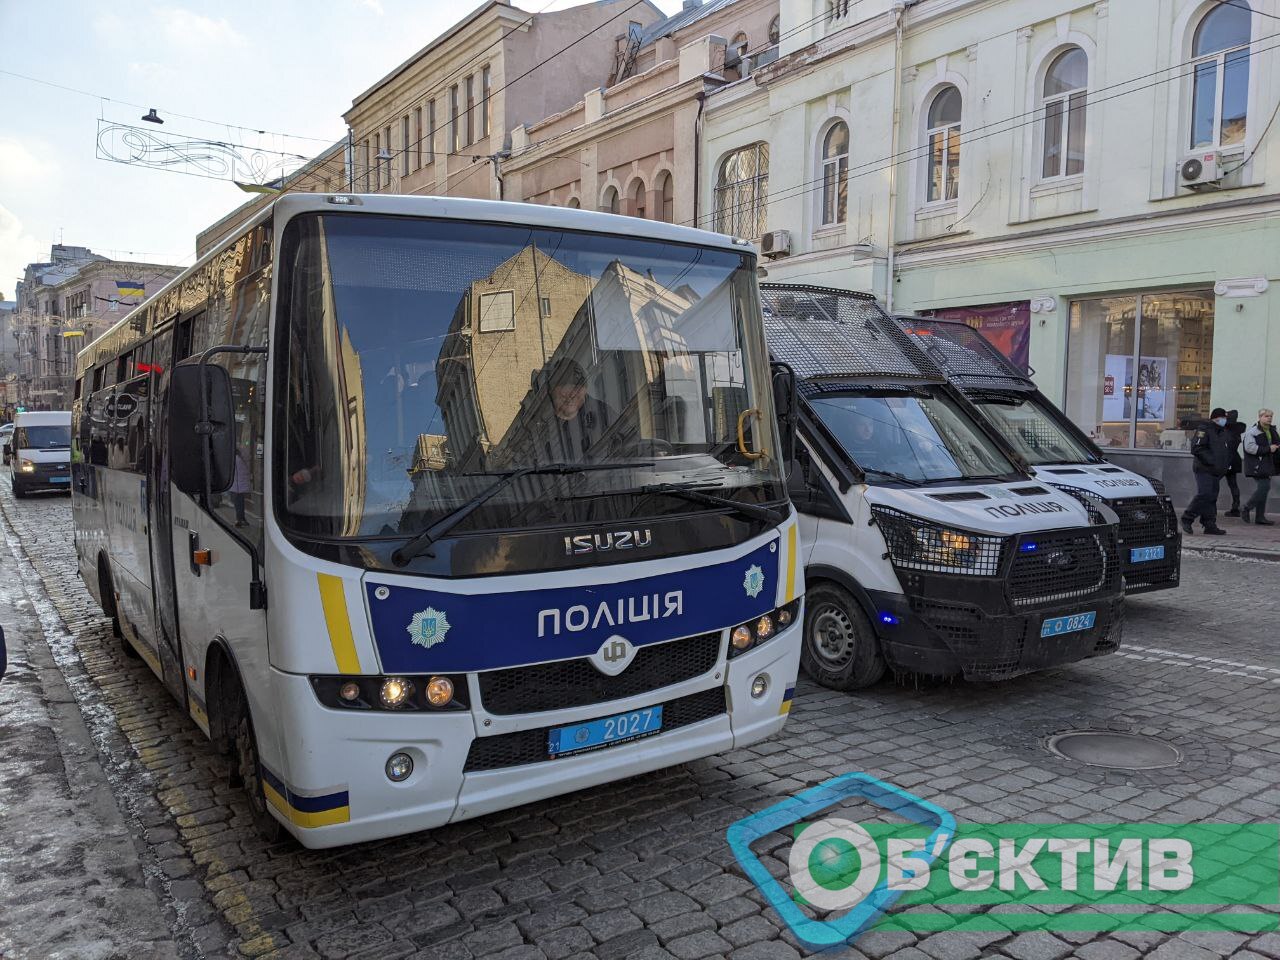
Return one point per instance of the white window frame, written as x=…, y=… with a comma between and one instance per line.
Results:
x=1219, y=61
x=945, y=129
x=1063, y=119
x=823, y=162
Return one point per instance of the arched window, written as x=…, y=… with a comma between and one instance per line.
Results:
x=835, y=174
x=1220, y=83
x=1063, y=100
x=666, y=198
x=638, y=205
x=942, y=136
x=574, y=203
x=742, y=189
x=610, y=204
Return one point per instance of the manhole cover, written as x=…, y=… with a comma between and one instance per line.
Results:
x=1118, y=751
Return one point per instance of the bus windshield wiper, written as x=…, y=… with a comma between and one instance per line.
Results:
x=893, y=476
x=422, y=541
x=696, y=494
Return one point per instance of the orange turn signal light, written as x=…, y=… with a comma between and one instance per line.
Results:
x=202, y=558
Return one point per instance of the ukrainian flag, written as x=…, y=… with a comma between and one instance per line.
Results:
x=130, y=288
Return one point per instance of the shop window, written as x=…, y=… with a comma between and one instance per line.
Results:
x=1063, y=110
x=1220, y=77
x=1139, y=368
x=942, y=142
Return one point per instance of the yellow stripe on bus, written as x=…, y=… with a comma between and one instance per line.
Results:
x=301, y=818
x=791, y=563
x=333, y=598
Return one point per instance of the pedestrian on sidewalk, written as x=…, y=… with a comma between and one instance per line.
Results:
x=1262, y=462
x=1210, y=460
x=240, y=484
x=1235, y=431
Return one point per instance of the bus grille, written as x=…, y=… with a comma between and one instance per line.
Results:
x=577, y=683
x=1064, y=566
x=530, y=746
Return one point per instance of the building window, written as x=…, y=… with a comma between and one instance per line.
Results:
x=367, y=165
x=431, y=131
x=835, y=174
x=417, y=138
x=1064, y=111
x=404, y=146
x=454, y=125
x=377, y=152
x=471, y=110
x=666, y=198
x=484, y=102
x=610, y=203
x=387, y=155
x=574, y=203
x=1220, y=78
x=546, y=306
x=1139, y=368
x=742, y=189
x=497, y=311
x=775, y=31
x=638, y=206
x=942, y=138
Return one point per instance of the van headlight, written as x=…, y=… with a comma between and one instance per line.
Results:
x=26, y=466
x=918, y=544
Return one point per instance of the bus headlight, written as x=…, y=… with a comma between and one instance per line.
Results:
x=349, y=691
x=395, y=691
x=439, y=691
x=747, y=635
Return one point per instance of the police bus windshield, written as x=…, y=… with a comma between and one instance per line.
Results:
x=422, y=359
x=1032, y=430
x=919, y=435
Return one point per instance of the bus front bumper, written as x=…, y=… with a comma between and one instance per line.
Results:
x=334, y=790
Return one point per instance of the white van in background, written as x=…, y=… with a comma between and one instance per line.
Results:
x=928, y=548
x=40, y=452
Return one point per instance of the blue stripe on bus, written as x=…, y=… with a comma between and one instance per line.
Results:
x=329, y=801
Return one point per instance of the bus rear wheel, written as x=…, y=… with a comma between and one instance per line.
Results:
x=840, y=648
x=247, y=771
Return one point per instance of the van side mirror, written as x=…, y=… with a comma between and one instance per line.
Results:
x=201, y=452
x=786, y=405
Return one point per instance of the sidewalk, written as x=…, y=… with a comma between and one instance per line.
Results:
x=72, y=884
x=1242, y=539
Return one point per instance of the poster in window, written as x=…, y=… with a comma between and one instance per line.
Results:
x=1117, y=385
x=1006, y=325
x=1153, y=375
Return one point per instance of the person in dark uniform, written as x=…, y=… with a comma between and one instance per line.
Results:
x=1210, y=459
x=1235, y=433
x=580, y=420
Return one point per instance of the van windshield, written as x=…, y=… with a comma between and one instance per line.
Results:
x=48, y=437
x=918, y=435
x=1032, y=430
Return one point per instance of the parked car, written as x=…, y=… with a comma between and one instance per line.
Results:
x=6, y=435
x=40, y=452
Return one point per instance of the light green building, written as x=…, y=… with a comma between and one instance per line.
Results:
x=1037, y=183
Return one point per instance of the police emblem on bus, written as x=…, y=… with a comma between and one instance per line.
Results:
x=753, y=582
x=614, y=656
x=428, y=627
x=603, y=542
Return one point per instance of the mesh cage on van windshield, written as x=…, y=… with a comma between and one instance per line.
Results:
x=824, y=332
x=966, y=355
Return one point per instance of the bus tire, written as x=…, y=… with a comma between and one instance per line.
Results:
x=247, y=768
x=19, y=493
x=840, y=648
x=107, y=591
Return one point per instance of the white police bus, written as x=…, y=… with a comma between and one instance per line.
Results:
x=1057, y=450
x=928, y=548
x=426, y=508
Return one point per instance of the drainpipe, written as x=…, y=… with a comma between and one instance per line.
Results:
x=899, y=10
x=497, y=159
x=697, y=154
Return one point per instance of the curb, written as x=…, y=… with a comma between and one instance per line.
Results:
x=1247, y=553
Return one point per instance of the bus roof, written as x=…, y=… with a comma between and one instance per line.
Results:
x=969, y=358
x=532, y=215
x=829, y=334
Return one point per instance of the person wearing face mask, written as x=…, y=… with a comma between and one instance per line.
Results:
x=1210, y=460
x=1262, y=462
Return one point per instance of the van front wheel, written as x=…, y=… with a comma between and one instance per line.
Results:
x=840, y=647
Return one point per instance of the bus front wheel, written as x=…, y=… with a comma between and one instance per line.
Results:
x=840, y=648
x=248, y=771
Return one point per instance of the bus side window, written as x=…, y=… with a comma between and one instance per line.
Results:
x=98, y=428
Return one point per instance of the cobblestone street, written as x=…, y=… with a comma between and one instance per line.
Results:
x=639, y=868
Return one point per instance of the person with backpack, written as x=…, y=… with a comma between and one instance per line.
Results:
x=1210, y=459
x=1261, y=461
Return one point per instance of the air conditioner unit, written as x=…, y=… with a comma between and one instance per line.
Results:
x=1200, y=171
x=776, y=243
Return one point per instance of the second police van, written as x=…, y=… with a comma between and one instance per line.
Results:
x=928, y=548
x=1058, y=451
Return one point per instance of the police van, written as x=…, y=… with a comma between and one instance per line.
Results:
x=928, y=548
x=1057, y=450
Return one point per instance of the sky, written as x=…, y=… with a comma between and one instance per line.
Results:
x=288, y=67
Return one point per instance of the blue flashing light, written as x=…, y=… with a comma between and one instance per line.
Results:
x=1028, y=547
x=889, y=618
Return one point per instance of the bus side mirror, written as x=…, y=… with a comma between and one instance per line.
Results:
x=195, y=441
x=786, y=405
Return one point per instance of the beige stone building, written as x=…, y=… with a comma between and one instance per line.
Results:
x=433, y=124
x=631, y=146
